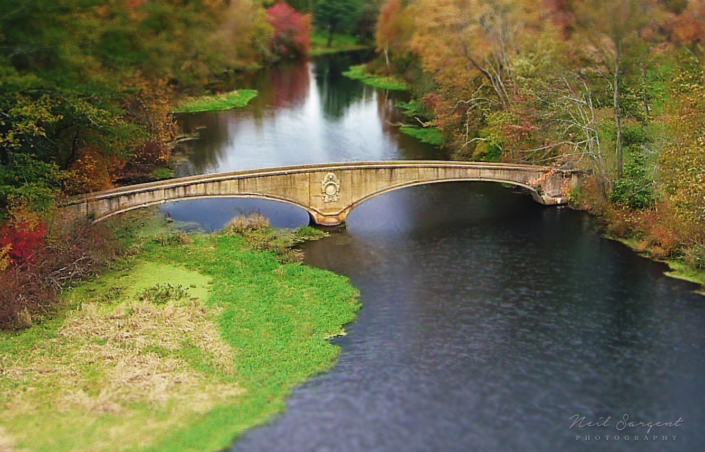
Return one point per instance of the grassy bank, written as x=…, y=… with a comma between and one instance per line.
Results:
x=226, y=101
x=429, y=135
x=341, y=43
x=185, y=344
x=679, y=269
x=378, y=81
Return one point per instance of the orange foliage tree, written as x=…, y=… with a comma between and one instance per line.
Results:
x=395, y=28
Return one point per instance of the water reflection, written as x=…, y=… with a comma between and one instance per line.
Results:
x=307, y=112
x=335, y=90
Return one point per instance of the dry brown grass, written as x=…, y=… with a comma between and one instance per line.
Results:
x=119, y=343
x=109, y=360
x=6, y=442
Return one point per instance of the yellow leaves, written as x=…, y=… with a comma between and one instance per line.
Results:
x=29, y=118
x=5, y=260
x=91, y=172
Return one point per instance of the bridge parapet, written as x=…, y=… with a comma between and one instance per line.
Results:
x=327, y=191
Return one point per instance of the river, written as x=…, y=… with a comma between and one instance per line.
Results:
x=488, y=321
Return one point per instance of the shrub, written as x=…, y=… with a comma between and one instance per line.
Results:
x=72, y=250
x=635, y=189
x=174, y=238
x=695, y=257
x=22, y=235
x=247, y=223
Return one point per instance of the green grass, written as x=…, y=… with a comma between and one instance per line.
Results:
x=430, y=135
x=163, y=173
x=226, y=101
x=189, y=374
x=411, y=109
x=681, y=271
x=341, y=43
x=378, y=81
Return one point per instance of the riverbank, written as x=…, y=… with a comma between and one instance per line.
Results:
x=340, y=43
x=225, y=101
x=378, y=81
x=182, y=346
x=679, y=270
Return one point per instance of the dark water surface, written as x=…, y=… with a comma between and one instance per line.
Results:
x=488, y=320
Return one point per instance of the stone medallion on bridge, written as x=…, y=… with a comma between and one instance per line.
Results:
x=330, y=188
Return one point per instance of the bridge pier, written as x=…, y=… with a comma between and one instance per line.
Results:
x=320, y=219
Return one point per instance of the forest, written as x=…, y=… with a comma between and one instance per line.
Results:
x=612, y=87
x=88, y=89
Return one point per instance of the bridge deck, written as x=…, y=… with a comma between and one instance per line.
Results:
x=327, y=191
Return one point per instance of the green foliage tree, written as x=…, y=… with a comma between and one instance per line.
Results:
x=613, y=37
x=304, y=6
x=336, y=15
x=89, y=81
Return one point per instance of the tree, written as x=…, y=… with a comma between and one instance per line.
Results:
x=369, y=14
x=292, y=30
x=335, y=15
x=459, y=40
x=303, y=6
x=395, y=28
x=611, y=34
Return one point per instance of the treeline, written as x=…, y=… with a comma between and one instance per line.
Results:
x=86, y=86
x=86, y=93
x=615, y=87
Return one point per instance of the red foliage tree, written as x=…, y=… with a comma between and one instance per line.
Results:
x=292, y=30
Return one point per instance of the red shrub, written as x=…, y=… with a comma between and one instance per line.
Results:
x=71, y=251
x=23, y=238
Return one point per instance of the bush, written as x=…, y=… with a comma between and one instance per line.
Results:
x=635, y=189
x=247, y=223
x=22, y=235
x=174, y=238
x=72, y=250
x=695, y=257
x=292, y=30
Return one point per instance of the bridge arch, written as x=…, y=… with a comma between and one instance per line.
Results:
x=233, y=196
x=328, y=192
x=342, y=216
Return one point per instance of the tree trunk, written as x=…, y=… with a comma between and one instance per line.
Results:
x=331, y=31
x=645, y=97
x=386, y=55
x=618, y=114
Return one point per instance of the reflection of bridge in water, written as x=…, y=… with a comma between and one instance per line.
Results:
x=327, y=191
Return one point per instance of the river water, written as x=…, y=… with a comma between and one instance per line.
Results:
x=488, y=321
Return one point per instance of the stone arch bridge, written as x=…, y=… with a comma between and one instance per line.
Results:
x=327, y=191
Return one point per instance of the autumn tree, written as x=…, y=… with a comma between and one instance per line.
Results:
x=292, y=30
x=461, y=39
x=395, y=27
x=98, y=92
